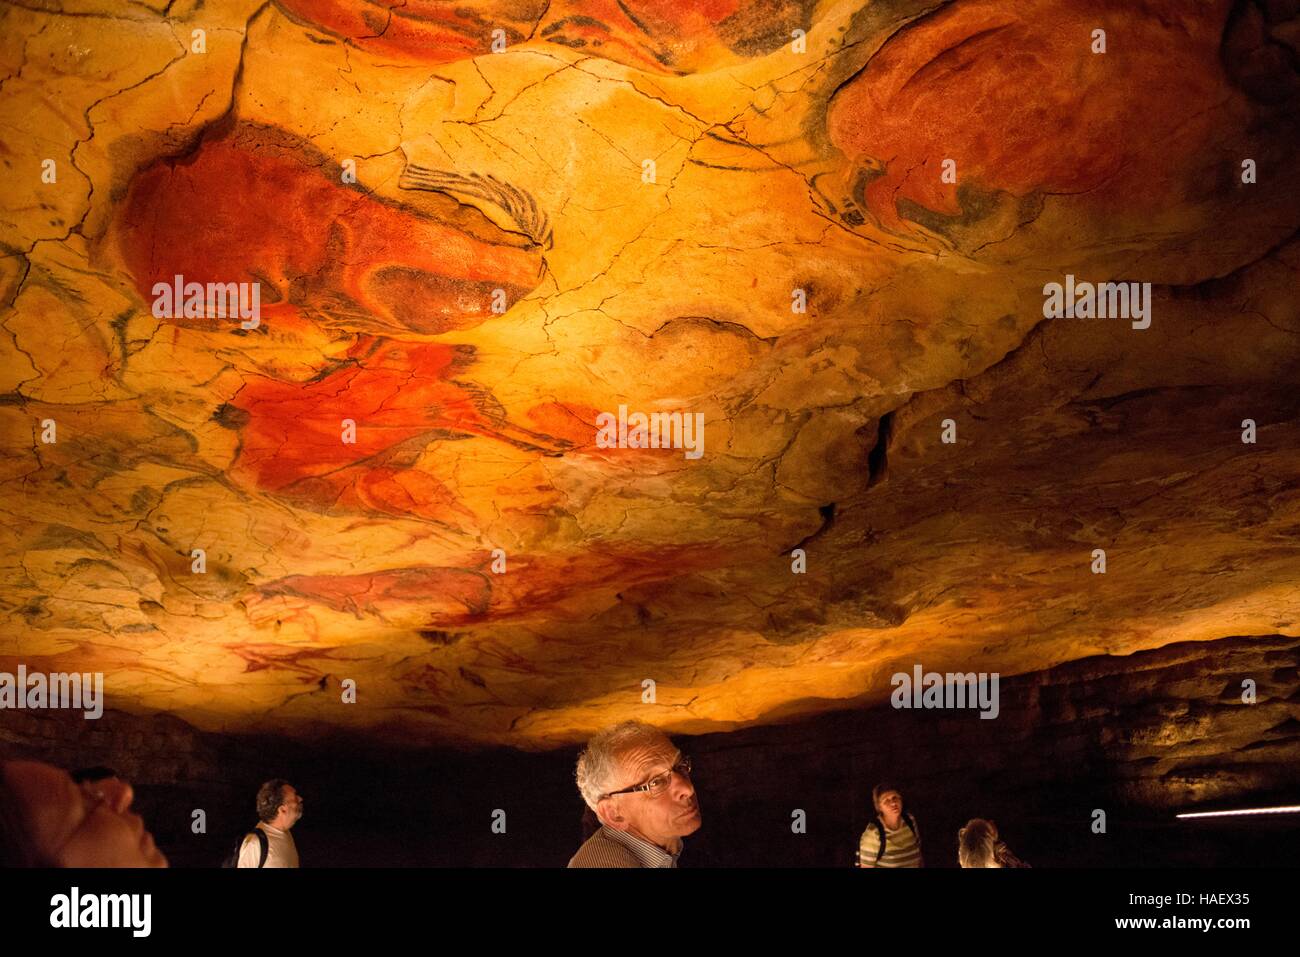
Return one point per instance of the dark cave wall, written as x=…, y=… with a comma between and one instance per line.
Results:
x=1139, y=737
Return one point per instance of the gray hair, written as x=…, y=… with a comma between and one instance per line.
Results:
x=598, y=765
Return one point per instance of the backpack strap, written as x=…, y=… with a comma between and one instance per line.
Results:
x=263, y=844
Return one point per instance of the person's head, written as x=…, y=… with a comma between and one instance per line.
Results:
x=977, y=844
x=49, y=820
x=888, y=802
x=278, y=804
x=635, y=780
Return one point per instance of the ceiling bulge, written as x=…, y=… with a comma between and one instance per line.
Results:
x=452, y=281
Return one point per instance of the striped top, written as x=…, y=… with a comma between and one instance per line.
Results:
x=611, y=848
x=902, y=847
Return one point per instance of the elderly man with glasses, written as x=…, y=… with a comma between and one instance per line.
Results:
x=639, y=786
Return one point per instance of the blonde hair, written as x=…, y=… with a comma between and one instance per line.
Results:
x=977, y=844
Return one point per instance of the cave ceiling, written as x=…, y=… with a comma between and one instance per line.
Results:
x=478, y=230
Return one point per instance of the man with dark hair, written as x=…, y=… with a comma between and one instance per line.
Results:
x=279, y=807
x=892, y=838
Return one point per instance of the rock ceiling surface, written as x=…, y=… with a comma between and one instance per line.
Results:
x=472, y=253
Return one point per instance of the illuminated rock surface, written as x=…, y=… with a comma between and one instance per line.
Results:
x=518, y=180
x=1143, y=736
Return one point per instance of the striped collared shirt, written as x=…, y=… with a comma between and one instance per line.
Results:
x=902, y=847
x=611, y=848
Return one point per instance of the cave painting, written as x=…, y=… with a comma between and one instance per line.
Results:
x=498, y=587
x=330, y=254
x=661, y=36
x=1014, y=102
x=254, y=204
x=349, y=440
x=469, y=296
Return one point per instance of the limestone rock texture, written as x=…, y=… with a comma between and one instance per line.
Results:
x=1143, y=736
x=478, y=228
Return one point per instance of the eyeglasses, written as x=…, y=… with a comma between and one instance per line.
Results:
x=94, y=794
x=93, y=797
x=659, y=783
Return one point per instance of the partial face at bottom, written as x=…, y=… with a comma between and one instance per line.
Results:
x=80, y=825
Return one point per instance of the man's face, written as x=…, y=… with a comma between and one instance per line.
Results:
x=891, y=804
x=291, y=808
x=81, y=825
x=660, y=818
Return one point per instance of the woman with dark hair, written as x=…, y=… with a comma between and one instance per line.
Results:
x=49, y=820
